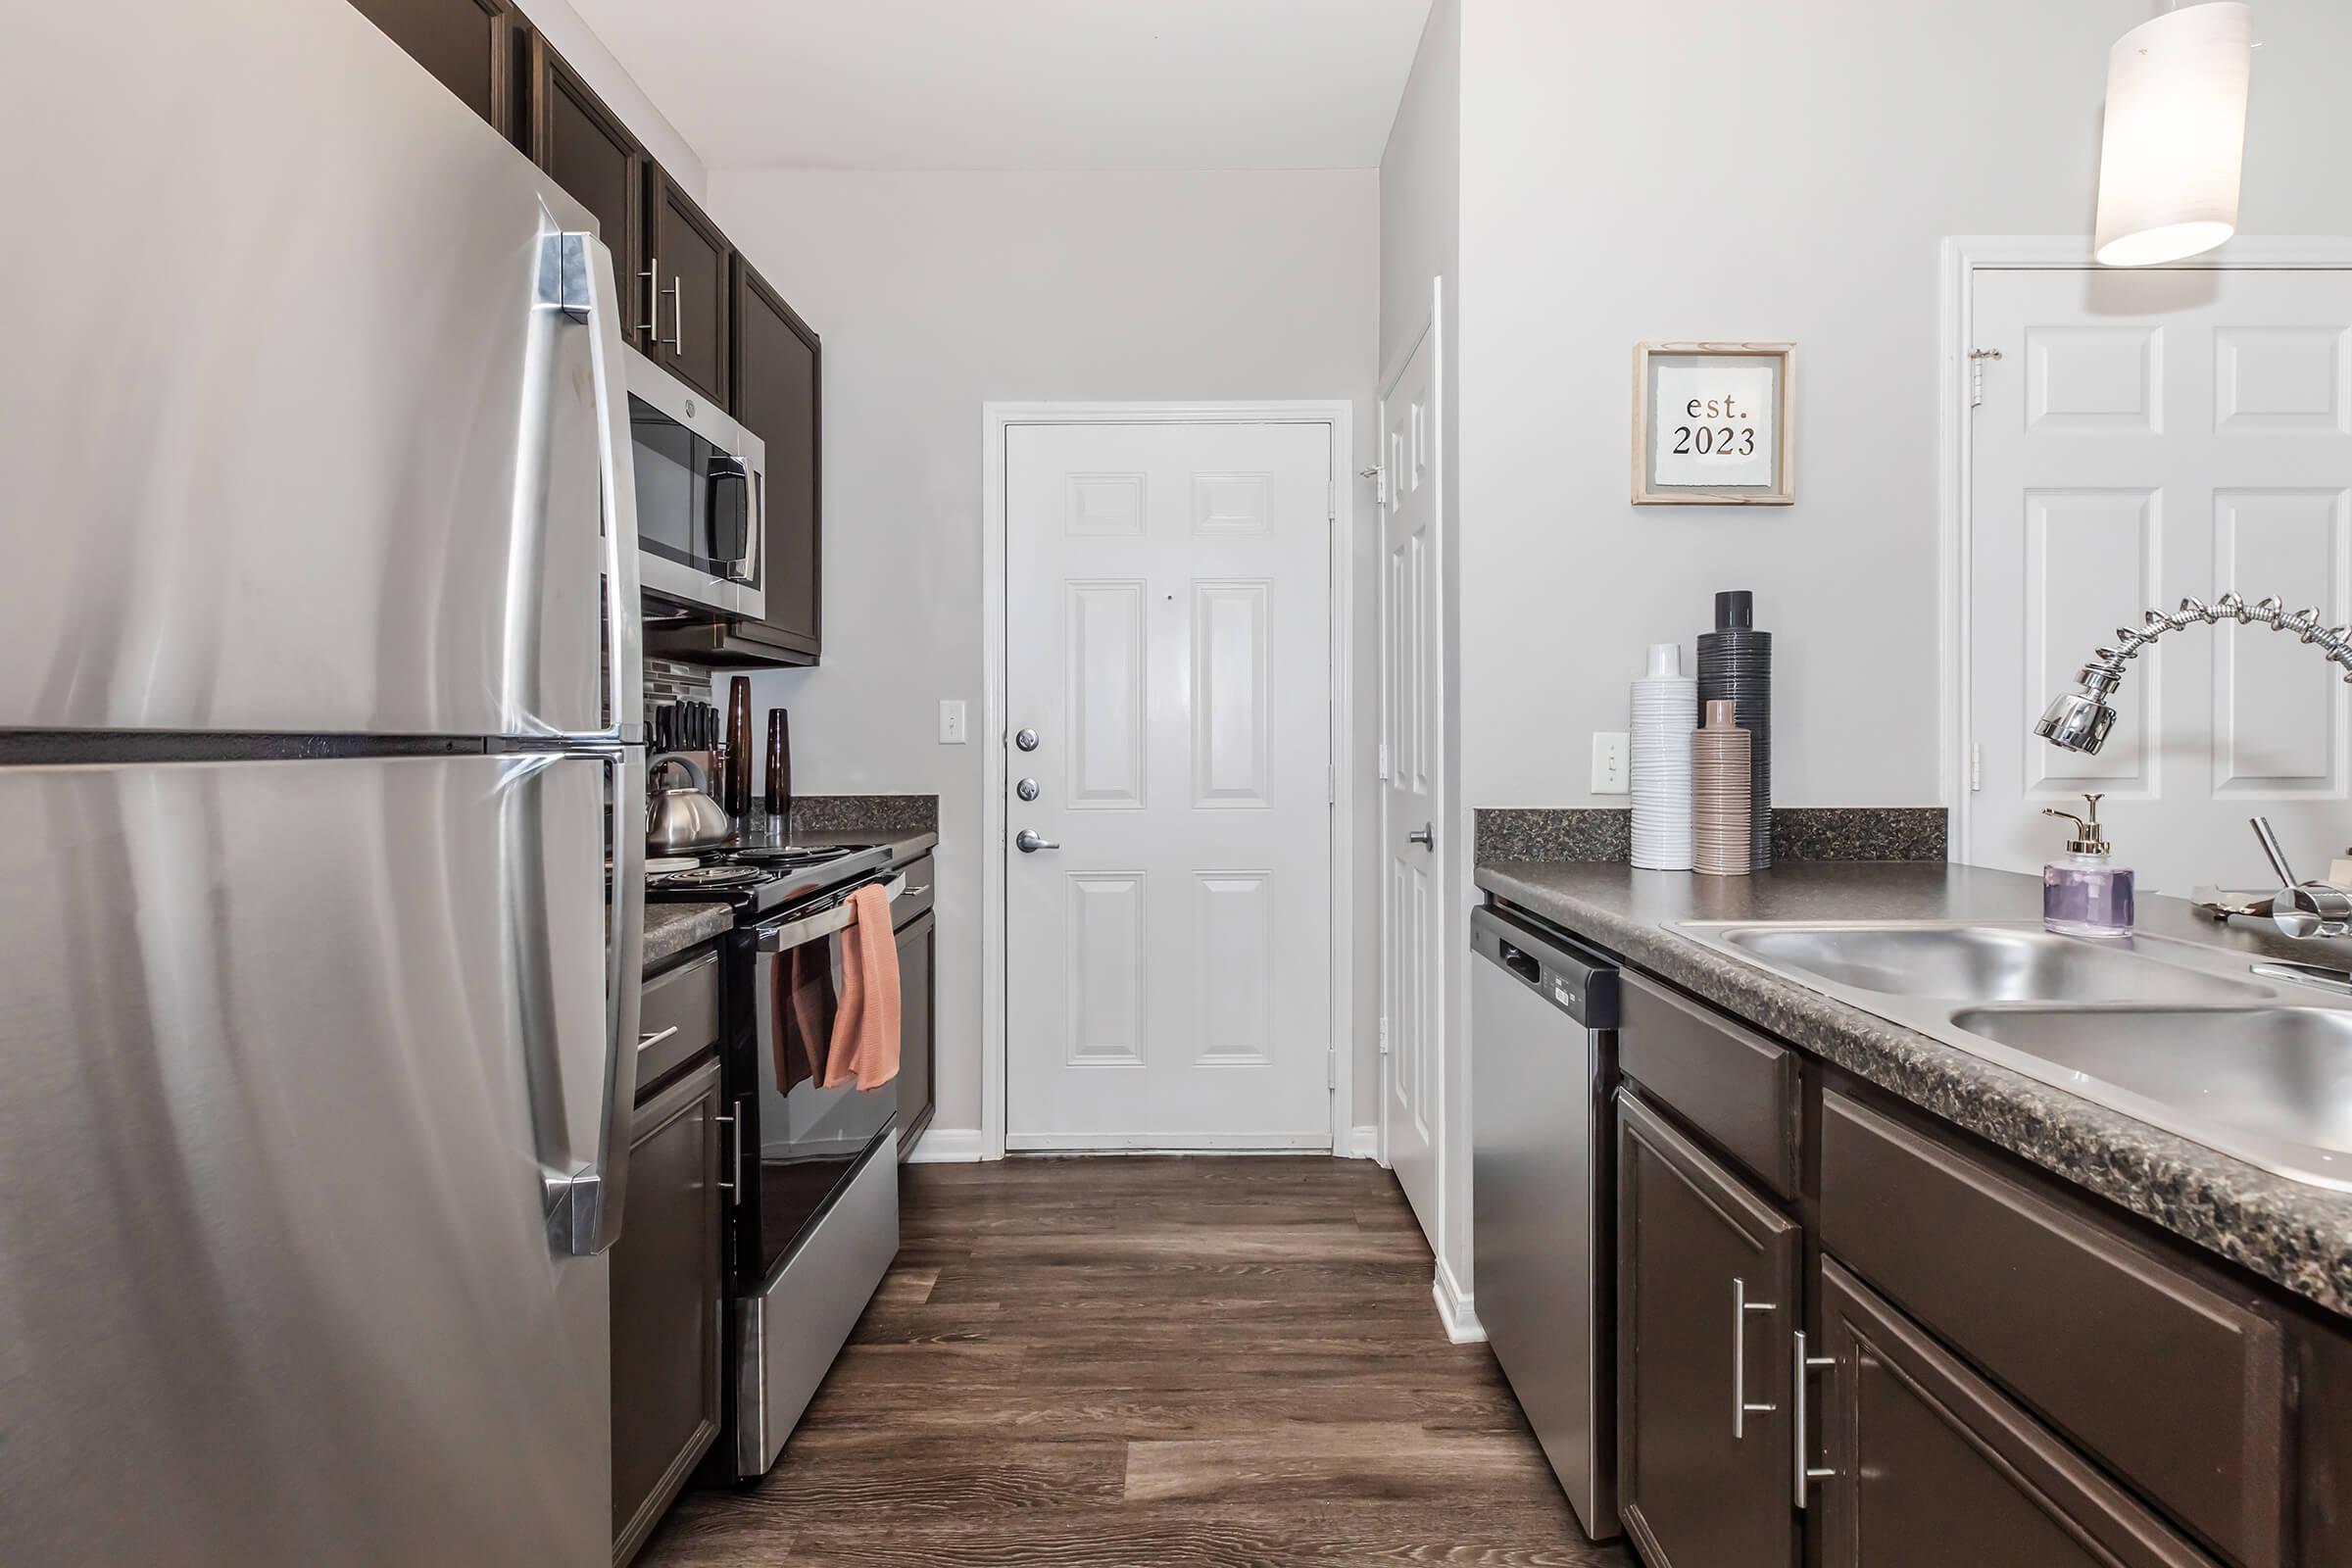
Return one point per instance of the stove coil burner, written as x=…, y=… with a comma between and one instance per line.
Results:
x=710, y=876
x=791, y=855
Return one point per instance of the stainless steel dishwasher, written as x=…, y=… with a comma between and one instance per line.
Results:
x=1544, y=1193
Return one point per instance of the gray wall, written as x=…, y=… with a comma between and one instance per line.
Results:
x=1731, y=171
x=936, y=292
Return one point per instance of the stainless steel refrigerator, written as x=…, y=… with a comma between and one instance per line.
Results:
x=319, y=724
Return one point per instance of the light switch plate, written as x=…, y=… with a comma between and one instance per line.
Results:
x=951, y=722
x=1609, y=772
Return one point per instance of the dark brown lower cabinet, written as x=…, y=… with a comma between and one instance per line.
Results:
x=665, y=1303
x=1707, y=1277
x=1935, y=1469
x=918, y=950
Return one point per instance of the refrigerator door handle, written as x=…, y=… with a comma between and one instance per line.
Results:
x=589, y=292
x=584, y=1204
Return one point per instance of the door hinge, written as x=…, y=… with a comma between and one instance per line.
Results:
x=1383, y=760
x=1331, y=1069
x=1380, y=484
x=1384, y=1035
x=1331, y=785
x=1976, y=375
x=1976, y=766
x=1331, y=500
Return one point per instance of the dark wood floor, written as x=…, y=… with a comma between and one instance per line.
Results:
x=1144, y=1362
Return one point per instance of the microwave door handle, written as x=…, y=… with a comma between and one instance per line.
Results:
x=736, y=549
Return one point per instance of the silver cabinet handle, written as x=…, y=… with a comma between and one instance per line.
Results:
x=648, y=1042
x=1806, y=1473
x=919, y=887
x=1742, y=1407
x=651, y=325
x=734, y=1126
x=1426, y=837
x=677, y=314
x=1028, y=843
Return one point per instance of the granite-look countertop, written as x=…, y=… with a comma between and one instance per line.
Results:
x=2297, y=1235
x=671, y=928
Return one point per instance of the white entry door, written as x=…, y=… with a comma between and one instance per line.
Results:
x=1169, y=943
x=2144, y=436
x=1411, y=806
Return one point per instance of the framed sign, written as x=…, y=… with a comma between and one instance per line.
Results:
x=1714, y=424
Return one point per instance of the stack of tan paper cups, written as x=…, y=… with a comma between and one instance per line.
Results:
x=1720, y=841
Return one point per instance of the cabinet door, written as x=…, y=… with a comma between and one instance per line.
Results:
x=665, y=1303
x=591, y=154
x=777, y=386
x=689, y=306
x=464, y=43
x=1934, y=1469
x=918, y=949
x=1706, y=1303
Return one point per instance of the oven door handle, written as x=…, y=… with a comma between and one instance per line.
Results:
x=823, y=923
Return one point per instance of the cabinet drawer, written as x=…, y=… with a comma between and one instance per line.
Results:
x=686, y=998
x=2175, y=1384
x=1730, y=1083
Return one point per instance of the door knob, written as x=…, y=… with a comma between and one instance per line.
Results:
x=1425, y=837
x=1028, y=843
x=1026, y=739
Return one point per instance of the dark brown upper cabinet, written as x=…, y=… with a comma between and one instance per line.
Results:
x=688, y=256
x=778, y=381
x=587, y=150
x=778, y=363
x=467, y=44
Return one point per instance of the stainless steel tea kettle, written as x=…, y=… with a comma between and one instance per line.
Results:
x=679, y=820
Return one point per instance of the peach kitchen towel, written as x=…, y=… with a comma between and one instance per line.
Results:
x=865, y=1031
x=801, y=1014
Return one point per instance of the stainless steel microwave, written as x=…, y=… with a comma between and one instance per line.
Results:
x=702, y=495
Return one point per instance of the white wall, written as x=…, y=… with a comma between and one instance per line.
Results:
x=586, y=53
x=1730, y=170
x=936, y=292
x=1420, y=239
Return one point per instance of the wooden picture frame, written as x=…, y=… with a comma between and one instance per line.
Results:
x=1720, y=425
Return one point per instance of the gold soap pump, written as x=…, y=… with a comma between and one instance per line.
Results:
x=2085, y=894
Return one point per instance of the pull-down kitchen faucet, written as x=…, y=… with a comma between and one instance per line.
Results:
x=2078, y=722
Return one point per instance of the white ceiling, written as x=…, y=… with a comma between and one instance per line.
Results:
x=1021, y=83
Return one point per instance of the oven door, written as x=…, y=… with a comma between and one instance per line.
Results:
x=809, y=1139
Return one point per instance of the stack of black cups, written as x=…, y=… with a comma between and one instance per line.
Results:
x=1735, y=666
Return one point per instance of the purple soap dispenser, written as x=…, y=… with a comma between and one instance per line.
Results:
x=2085, y=894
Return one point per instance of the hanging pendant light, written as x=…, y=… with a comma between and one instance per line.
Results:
x=2175, y=134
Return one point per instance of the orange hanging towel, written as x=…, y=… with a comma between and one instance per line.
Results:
x=865, y=1031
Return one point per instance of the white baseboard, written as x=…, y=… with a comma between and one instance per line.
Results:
x=1367, y=1144
x=949, y=1145
x=1454, y=1308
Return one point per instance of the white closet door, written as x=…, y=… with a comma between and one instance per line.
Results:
x=2148, y=435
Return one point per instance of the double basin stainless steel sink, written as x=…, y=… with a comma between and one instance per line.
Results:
x=2189, y=1038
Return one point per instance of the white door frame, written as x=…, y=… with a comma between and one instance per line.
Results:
x=1964, y=256
x=996, y=420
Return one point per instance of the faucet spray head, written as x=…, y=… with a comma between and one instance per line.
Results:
x=2078, y=720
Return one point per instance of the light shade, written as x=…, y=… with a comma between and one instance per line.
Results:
x=2175, y=134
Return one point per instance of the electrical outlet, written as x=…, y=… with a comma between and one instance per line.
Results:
x=951, y=722
x=1608, y=762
